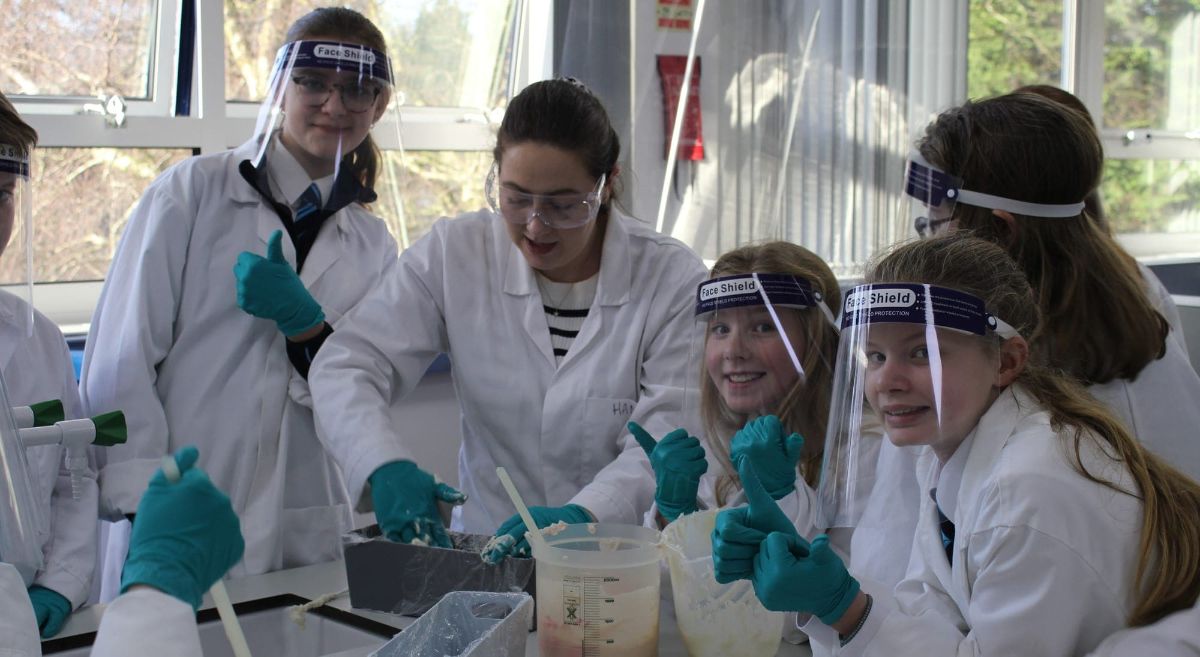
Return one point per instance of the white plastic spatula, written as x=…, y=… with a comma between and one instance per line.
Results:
x=535, y=535
x=233, y=629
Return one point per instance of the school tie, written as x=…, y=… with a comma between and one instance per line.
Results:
x=947, y=529
x=308, y=203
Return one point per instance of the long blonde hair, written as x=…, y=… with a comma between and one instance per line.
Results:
x=1100, y=324
x=805, y=407
x=1167, y=577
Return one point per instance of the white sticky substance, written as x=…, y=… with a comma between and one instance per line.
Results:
x=555, y=529
x=501, y=542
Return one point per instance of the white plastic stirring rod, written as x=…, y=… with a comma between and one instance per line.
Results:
x=233, y=629
x=534, y=533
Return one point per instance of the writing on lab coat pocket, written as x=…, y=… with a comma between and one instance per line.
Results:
x=603, y=423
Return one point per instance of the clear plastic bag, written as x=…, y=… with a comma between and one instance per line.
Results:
x=467, y=623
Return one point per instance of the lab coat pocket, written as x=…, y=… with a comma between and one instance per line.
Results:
x=603, y=423
x=313, y=534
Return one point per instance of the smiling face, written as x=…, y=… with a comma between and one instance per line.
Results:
x=561, y=254
x=746, y=359
x=311, y=132
x=901, y=388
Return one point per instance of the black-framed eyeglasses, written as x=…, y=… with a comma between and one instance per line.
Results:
x=927, y=227
x=357, y=96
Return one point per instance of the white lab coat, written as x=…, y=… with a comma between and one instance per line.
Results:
x=170, y=347
x=147, y=622
x=1043, y=557
x=1162, y=405
x=465, y=289
x=18, y=627
x=1177, y=635
x=1161, y=408
x=38, y=368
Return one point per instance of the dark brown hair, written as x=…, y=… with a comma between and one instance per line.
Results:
x=1099, y=323
x=1167, y=578
x=14, y=131
x=346, y=24
x=805, y=407
x=565, y=114
x=1069, y=100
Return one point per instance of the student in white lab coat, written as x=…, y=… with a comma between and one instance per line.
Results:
x=753, y=402
x=197, y=350
x=563, y=319
x=37, y=367
x=1043, y=526
x=1103, y=311
x=1105, y=320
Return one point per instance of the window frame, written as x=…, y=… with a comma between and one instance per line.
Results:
x=217, y=124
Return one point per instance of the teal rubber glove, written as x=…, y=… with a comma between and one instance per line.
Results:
x=791, y=575
x=50, y=608
x=678, y=461
x=406, y=498
x=739, y=532
x=510, y=538
x=773, y=456
x=269, y=288
x=186, y=535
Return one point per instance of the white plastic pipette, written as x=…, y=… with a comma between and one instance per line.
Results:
x=233, y=629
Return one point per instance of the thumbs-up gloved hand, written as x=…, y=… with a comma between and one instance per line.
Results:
x=740, y=531
x=773, y=455
x=678, y=462
x=271, y=289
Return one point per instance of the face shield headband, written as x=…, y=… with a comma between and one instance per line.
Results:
x=928, y=305
x=369, y=72
x=727, y=293
x=935, y=194
x=891, y=348
x=17, y=262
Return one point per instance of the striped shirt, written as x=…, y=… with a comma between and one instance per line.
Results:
x=566, y=306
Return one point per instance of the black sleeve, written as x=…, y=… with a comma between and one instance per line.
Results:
x=302, y=353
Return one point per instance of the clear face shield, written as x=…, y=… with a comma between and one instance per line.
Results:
x=915, y=358
x=753, y=337
x=557, y=211
x=324, y=97
x=16, y=232
x=932, y=194
x=22, y=526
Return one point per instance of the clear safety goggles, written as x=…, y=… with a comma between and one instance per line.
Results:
x=23, y=528
x=308, y=75
x=560, y=211
x=16, y=233
x=910, y=367
x=753, y=337
x=932, y=195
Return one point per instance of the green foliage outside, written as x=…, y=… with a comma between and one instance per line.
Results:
x=1017, y=42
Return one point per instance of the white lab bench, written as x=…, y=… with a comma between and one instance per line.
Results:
x=313, y=581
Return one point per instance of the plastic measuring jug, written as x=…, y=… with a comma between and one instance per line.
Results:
x=597, y=591
x=714, y=619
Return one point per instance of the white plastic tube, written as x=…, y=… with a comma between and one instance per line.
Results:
x=233, y=629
